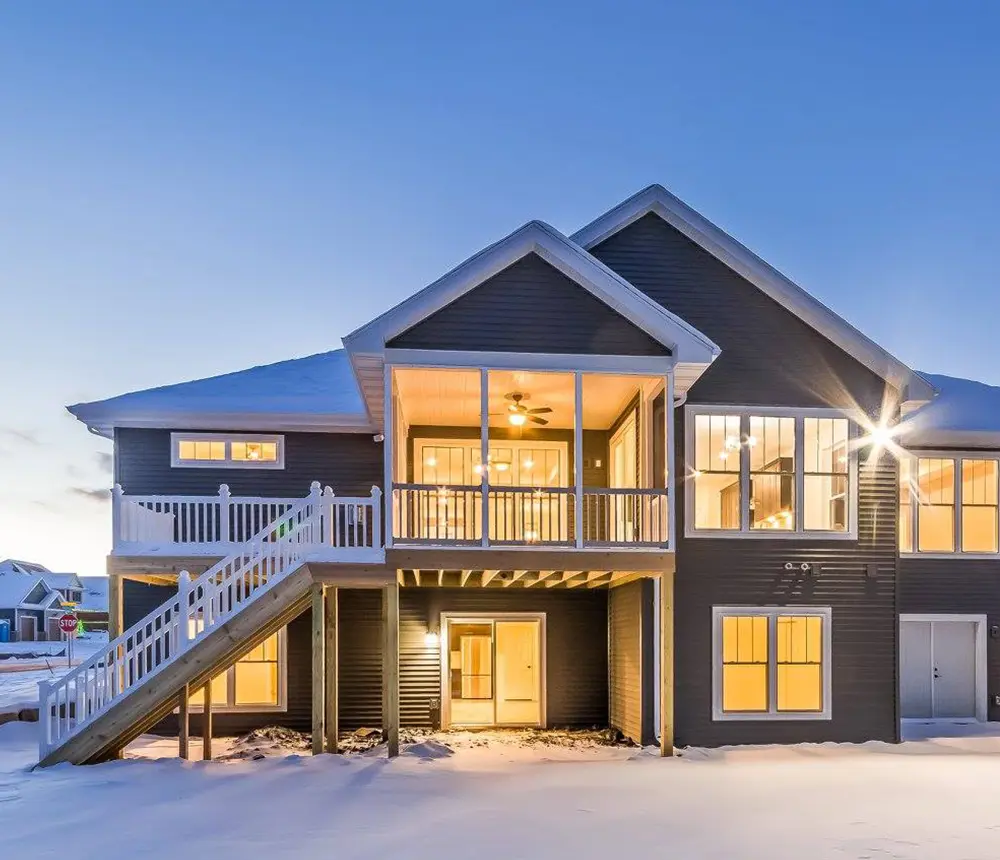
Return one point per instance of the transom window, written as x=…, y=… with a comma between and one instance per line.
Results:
x=770, y=474
x=255, y=682
x=936, y=516
x=771, y=663
x=223, y=451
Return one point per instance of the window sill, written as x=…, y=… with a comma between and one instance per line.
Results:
x=766, y=534
x=981, y=556
x=770, y=718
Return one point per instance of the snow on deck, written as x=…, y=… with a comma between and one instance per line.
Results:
x=928, y=800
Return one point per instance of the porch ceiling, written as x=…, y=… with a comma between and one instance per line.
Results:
x=423, y=578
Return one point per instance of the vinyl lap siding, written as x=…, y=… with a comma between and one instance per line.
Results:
x=771, y=358
x=630, y=619
x=963, y=586
x=530, y=307
x=349, y=463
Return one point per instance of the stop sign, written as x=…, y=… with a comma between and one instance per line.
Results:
x=67, y=623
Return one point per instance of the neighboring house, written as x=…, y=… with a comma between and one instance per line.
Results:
x=632, y=477
x=92, y=609
x=31, y=600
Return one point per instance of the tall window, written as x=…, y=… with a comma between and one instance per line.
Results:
x=939, y=515
x=772, y=663
x=760, y=473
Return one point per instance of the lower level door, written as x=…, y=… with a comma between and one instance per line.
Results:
x=519, y=682
x=938, y=669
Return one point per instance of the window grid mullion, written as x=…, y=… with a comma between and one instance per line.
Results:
x=744, y=473
x=799, y=465
x=772, y=663
x=956, y=497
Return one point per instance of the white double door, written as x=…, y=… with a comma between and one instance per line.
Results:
x=939, y=668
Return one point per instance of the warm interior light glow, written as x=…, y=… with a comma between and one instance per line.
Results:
x=502, y=467
x=528, y=464
x=431, y=461
x=431, y=639
x=516, y=418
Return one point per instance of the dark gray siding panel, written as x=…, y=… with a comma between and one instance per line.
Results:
x=530, y=307
x=350, y=463
x=576, y=644
x=630, y=638
x=769, y=355
x=965, y=586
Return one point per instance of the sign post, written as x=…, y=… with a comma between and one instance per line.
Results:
x=67, y=623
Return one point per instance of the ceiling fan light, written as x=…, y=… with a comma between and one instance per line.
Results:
x=516, y=419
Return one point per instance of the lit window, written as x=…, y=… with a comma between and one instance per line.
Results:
x=253, y=683
x=938, y=516
x=221, y=451
x=771, y=444
x=825, y=452
x=772, y=663
x=717, y=494
x=756, y=474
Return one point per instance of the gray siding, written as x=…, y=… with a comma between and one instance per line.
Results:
x=530, y=307
x=770, y=357
x=350, y=463
x=968, y=586
x=630, y=641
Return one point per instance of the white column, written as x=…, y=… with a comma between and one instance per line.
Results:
x=484, y=448
x=578, y=455
x=388, y=441
x=183, y=601
x=225, y=510
x=670, y=460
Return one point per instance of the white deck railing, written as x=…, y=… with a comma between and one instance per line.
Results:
x=308, y=528
x=453, y=515
x=214, y=525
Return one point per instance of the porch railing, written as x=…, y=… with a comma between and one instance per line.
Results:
x=453, y=515
x=167, y=524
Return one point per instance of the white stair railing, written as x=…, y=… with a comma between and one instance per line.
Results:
x=71, y=703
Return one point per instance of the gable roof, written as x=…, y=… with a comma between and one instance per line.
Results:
x=95, y=594
x=657, y=200
x=317, y=393
x=15, y=588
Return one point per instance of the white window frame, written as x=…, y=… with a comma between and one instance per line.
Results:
x=220, y=708
x=228, y=438
x=958, y=457
x=745, y=531
x=772, y=613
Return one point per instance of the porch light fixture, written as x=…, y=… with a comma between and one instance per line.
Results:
x=502, y=467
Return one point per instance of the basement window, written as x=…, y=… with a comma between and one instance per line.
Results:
x=226, y=451
x=256, y=682
x=771, y=663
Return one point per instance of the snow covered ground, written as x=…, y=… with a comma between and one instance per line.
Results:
x=925, y=800
x=19, y=688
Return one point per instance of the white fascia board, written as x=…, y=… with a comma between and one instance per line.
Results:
x=657, y=200
x=103, y=422
x=975, y=440
x=683, y=340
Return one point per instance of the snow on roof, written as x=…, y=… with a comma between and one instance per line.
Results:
x=15, y=588
x=13, y=565
x=965, y=412
x=302, y=393
x=62, y=580
x=95, y=594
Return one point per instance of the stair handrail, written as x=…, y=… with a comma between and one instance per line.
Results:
x=108, y=674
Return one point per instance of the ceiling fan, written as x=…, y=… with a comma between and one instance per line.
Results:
x=518, y=414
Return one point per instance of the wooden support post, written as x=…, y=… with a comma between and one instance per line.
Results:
x=332, y=677
x=115, y=626
x=206, y=724
x=390, y=667
x=667, y=663
x=318, y=670
x=184, y=721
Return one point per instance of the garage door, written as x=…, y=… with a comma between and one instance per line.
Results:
x=937, y=669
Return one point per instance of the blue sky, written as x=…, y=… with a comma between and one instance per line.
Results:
x=188, y=188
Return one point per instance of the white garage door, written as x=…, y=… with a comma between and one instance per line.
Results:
x=938, y=668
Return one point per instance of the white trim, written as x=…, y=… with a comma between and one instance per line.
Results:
x=657, y=200
x=578, y=459
x=772, y=613
x=228, y=463
x=388, y=453
x=744, y=412
x=103, y=422
x=632, y=365
x=447, y=618
x=957, y=457
x=982, y=664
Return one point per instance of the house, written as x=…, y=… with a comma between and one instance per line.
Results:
x=92, y=608
x=31, y=600
x=632, y=477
